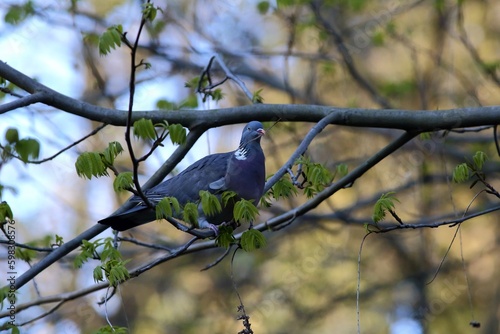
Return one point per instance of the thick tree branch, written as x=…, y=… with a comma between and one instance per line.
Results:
x=408, y=120
x=289, y=216
x=22, y=102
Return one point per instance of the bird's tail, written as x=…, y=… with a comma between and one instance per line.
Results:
x=131, y=218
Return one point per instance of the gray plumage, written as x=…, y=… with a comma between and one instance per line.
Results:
x=241, y=171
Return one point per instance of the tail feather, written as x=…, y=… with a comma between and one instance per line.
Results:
x=136, y=216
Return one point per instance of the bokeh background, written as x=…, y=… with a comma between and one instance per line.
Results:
x=402, y=54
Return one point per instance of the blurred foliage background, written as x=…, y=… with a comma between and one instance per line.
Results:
x=401, y=54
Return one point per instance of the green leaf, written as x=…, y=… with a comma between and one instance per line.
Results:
x=18, y=13
x=7, y=295
x=399, y=88
x=24, y=254
x=177, y=134
x=190, y=213
x=165, y=105
x=166, y=207
x=9, y=326
x=425, y=135
x=111, y=152
x=12, y=135
x=378, y=38
x=115, y=271
x=225, y=238
x=27, y=148
x=5, y=212
x=479, y=158
x=7, y=152
x=342, y=170
x=59, y=240
x=112, y=267
x=245, y=210
x=87, y=252
x=317, y=176
x=112, y=330
x=192, y=83
x=461, y=173
x=110, y=39
x=210, y=204
x=252, y=239
x=123, y=181
x=90, y=164
x=256, y=97
x=149, y=11
x=227, y=196
x=383, y=204
x=263, y=7
x=98, y=274
x=284, y=188
x=190, y=102
x=144, y=129
x=217, y=94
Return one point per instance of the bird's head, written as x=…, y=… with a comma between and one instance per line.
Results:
x=252, y=132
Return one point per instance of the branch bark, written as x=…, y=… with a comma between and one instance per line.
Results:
x=408, y=120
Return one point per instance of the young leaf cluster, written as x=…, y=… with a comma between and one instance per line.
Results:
x=225, y=238
x=25, y=254
x=9, y=326
x=18, y=13
x=149, y=11
x=204, y=85
x=112, y=266
x=167, y=207
x=24, y=148
x=210, y=204
x=190, y=213
x=191, y=102
x=284, y=188
x=112, y=330
x=252, y=239
x=145, y=129
x=245, y=211
x=5, y=213
x=316, y=175
x=466, y=170
x=256, y=97
x=5, y=295
x=384, y=203
x=123, y=181
x=95, y=164
x=110, y=39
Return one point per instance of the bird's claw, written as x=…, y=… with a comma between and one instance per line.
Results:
x=214, y=228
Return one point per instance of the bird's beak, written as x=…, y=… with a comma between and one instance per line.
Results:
x=262, y=132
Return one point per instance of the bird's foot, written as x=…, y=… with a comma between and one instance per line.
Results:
x=203, y=224
x=214, y=228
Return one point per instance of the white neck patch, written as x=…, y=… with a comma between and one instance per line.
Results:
x=241, y=153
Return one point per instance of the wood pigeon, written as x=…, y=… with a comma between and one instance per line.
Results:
x=241, y=171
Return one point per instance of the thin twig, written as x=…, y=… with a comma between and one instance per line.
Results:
x=358, y=282
x=347, y=58
x=144, y=244
x=37, y=162
x=218, y=260
x=128, y=140
x=241, y=307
